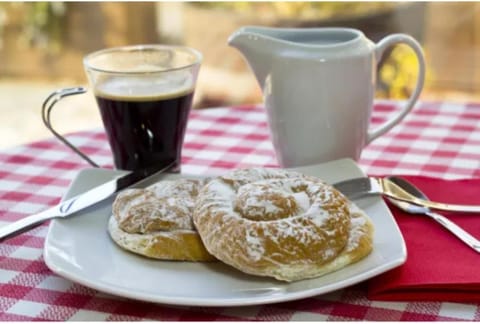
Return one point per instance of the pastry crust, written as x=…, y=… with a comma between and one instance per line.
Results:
x=156, y=222
x=280, y=224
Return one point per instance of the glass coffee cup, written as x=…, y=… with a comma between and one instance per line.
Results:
x=144, y=94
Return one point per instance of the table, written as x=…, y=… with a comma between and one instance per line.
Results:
x=437, y=139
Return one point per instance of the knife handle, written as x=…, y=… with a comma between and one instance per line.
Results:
x=27, y=223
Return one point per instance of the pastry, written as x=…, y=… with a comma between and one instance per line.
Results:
x=156, y=222
x=280, y=224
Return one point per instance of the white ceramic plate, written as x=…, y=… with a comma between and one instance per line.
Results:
x=80, y=249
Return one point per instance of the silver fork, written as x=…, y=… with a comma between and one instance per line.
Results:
x=360, y=187
x=366, y=186
x=456, y=230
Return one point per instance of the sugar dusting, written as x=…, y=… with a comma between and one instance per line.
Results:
x=314, y=218
x=303, y=201
x=164, y=206
x=254, y=245
x=357, y=227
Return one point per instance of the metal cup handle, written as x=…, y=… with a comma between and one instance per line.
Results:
x=47, y=107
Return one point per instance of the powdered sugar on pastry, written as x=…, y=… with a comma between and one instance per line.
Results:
x=157, y=221
x=163, y=206
x=279, y=223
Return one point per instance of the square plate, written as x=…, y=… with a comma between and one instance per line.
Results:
x=79, y=248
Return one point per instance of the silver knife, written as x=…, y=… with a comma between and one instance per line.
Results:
x=82, y=201
x=352, y=188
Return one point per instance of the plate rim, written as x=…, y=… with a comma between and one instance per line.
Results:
x=214, y=301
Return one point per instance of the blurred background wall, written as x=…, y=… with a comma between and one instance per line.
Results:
x=42, y=45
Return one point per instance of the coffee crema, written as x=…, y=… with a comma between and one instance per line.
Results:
x=145, y=122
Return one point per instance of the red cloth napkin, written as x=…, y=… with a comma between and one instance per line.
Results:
x=439, y=266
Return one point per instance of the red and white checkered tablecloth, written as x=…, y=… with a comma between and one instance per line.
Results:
x=436, y=139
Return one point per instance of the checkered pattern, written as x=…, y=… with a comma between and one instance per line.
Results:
x=436, y=139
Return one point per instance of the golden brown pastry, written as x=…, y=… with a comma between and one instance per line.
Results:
x=157, y=221
x=281, y=224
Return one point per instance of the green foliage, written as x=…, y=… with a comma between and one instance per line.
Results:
x=41, y=22
x=398, y=74
x=299, y=10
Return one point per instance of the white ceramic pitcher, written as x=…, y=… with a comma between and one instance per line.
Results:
x=318, y=86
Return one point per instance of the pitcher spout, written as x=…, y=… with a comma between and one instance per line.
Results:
x=257, y=50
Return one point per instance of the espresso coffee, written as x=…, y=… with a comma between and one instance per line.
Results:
x=145, y=130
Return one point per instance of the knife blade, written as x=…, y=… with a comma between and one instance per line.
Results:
x=82, y=201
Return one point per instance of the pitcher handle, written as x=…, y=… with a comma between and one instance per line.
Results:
x=47, y=107
x=380, y=47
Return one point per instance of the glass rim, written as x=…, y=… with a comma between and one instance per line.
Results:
x=87, y=58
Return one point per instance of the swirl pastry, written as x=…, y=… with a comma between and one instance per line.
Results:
x=157, y=221
x=280, y=224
